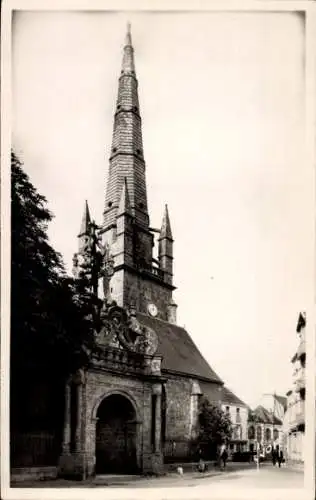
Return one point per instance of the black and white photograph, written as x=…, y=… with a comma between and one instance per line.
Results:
x=159, y=198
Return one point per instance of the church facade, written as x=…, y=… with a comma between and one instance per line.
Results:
x=138, y=402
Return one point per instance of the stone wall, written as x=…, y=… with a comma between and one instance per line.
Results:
x=141, y=291
x=178, y=403
x=98, y=386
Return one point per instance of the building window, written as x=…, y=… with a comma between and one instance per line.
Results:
x=268, y=434
x=275, y=434
x=238, y=415
x=227, y=409
x=251, y=432
x=259, y=433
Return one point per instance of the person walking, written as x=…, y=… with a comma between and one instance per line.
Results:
x=274, y=454
x=280, y=457
x=223, y=456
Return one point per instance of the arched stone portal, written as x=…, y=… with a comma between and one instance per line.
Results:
x=116, y=436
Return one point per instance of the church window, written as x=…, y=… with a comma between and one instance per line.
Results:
x=268, y=434
x=275, y=434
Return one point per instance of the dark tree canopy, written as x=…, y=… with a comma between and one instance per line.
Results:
x=50, y=324
x=214, y=425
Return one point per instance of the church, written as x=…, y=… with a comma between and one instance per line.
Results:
x=137, y=404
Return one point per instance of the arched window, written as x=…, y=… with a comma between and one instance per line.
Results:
x=268, y=434
x=275, y=434
x=259, y=433
x=251, y=432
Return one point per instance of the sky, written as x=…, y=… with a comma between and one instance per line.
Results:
x=222, y=104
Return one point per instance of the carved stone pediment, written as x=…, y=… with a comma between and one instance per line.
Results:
x=121, y=329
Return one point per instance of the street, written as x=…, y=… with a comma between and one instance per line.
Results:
x=234, y=478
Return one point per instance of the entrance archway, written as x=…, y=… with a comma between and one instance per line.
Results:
x=116, y=430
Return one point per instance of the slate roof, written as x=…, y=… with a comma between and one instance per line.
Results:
x=301, y=321
x=264, y=416
x=230, y=398
x=178, y=351
x=282, y=400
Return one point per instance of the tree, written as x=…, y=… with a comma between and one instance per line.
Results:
x=50, y=321
x=214, y=427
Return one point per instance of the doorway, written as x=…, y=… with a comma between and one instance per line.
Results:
x=116, y=436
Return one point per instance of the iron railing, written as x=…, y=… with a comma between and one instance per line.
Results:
x=39, y=449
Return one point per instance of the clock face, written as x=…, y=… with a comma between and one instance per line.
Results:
x=152, y=309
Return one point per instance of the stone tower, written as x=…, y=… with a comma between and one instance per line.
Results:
x=139, y=280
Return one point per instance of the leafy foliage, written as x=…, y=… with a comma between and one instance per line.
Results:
x=50, y=320
x=214, y=426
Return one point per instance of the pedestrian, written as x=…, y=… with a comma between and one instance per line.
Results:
x=273, y=458
x=222, y=456
x=202, y=465
x=280, y=457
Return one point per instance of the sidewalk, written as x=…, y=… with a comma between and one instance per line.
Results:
x=113, y=480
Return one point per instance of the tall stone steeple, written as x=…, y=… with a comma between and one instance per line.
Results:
x=127, y=157
x=138, y=280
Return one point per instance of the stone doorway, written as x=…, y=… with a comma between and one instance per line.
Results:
x=116, y=436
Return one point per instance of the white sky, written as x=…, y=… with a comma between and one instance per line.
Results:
x=221, y=98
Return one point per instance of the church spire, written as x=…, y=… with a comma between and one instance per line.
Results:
x=86, y=219
x=165, y=231
x=128, y=65
x=84, y=228
x=126, y=157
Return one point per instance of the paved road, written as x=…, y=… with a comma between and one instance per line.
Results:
x=267, y=477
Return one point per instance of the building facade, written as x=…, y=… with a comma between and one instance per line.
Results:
x=238, y=413
x=294, y=419
x=274, y=404
x=265, y=429
x=137, y=404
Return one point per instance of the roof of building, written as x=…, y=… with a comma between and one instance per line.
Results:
x=230, y=398
x=178, y=351
x=282, y=400
x=301, y=323
x=264, y=416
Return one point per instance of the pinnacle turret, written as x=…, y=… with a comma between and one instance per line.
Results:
x=86, y=219
x=165, y=231
x=165, y=249
x=124, y=204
